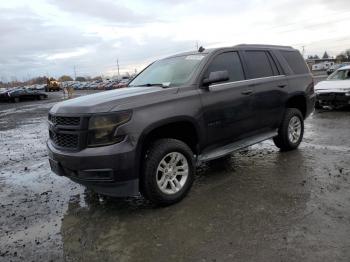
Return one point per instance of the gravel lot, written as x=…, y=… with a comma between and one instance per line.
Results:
x=257, y=205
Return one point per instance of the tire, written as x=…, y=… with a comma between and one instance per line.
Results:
x=291, y=130
x=15, y=99
x=159, y=186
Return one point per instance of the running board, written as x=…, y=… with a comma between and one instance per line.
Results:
x=228, y=149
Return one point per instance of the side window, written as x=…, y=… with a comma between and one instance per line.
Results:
x=229, y=61
x=295, y=62
x=273, y=65
x=258, y=64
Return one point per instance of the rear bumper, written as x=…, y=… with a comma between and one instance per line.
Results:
x=109, y=170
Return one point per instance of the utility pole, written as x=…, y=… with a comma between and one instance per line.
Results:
x=75, y=73
x=303, y=51
x=118, y=68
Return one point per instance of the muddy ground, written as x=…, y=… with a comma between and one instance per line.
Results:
x=256, y=205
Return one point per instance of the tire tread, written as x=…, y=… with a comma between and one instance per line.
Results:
x=282, y=140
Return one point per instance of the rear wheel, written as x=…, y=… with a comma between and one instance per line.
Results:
x=168, y=172
x=16, y=100
x=291, y=131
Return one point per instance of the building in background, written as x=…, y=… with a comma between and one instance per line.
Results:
x=316, y=64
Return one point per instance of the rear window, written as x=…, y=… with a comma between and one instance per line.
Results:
x=295, y=62
x=258, y=64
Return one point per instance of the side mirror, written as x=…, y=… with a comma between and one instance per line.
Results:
x=215, y=77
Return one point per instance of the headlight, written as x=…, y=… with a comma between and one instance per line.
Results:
x=102, y=128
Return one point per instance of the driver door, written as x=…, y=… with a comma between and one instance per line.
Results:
x=228, y=105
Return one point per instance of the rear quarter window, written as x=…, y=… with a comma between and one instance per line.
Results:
x=295, y=62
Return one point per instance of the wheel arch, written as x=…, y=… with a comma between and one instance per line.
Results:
x=298, y=101
x=183, y=128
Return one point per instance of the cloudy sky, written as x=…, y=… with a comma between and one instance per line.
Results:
x=41, y=37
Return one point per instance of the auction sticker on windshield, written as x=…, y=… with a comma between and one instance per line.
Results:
x=194, y=57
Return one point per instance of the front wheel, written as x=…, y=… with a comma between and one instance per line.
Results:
x=168, y=172
x=291, y=130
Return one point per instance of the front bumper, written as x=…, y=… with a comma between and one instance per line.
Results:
x=333, y=99
x=109, y=170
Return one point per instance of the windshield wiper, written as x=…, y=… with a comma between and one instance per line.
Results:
x=153, y=84
x=148, y=84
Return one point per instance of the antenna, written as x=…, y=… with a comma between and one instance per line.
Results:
x=201, y=49
x=303, y=50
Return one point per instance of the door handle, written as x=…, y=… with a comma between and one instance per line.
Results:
x=247, y=92
x=282, y=86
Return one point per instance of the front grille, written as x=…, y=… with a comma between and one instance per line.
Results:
x=64, y=120
x=67, y=132
x=65, y=140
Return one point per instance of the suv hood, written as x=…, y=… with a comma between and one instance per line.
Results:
x=337, y=86
x=101, y=102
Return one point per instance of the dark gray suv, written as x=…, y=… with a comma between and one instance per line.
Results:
x=179, y=111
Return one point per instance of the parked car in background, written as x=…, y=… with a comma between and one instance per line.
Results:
x=335, y=91
x=21, y=94
x=335, y=67
x=182, y=110
x=40, y=87
x=123, y=83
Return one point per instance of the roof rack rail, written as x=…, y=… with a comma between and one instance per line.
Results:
x=264, y=46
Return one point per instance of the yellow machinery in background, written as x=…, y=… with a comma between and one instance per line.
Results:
x=52, y=85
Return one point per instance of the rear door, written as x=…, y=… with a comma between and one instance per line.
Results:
x=270, y=88
x=227, y=106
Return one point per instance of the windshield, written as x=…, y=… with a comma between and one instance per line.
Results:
x=340, y=75
x=174, y=71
